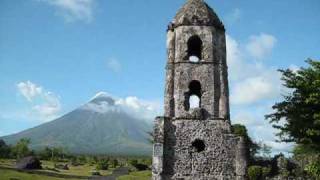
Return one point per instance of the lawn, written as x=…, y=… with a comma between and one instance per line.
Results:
x=140, y=175
x=14, y=175
x=48, y=167
x=82, y=170
x=50, y=173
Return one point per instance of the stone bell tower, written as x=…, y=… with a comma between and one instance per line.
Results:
x=193, y=141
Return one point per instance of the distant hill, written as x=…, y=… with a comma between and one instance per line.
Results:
x=98, y=127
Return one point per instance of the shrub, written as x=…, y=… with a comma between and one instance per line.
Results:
x=266, y=171
x=314, y=169
x=102, y=165
x=133, y=162
x=115, y=163
x=141, y=167
x=255, y=172
x=4, y=149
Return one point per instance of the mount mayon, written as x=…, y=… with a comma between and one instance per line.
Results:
x=101, y=126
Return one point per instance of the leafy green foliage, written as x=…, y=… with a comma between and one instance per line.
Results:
x=283, y=165
x=313, y=168
x=21, y=149
x=254, y=172
x=133, y=162
x=147, y=161
x=54, y=153
x=258, y=172
x=103, y=164
x=114, y=163
x=266, y=171
x=298, y=115
x=82, y=159
x=139, y=165
x=4, y=149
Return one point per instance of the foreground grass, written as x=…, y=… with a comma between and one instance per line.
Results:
x=74, y=172
x=11, y=174
x=140, y=175
x=48, y=166
x=82, y=170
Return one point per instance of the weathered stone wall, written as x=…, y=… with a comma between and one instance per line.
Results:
x=168, y=97
x=222, y=157
x=157, y=157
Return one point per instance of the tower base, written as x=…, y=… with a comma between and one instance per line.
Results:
x=197, y=150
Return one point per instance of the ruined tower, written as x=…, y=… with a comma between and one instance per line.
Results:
x=193, y=141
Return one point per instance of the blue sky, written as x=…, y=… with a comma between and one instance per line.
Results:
x=57, y=54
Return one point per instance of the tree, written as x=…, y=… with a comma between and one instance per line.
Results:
x=46, y=153
x=298, y=115
x=115, y=163
x=133, y=162
x=103, y=164
x=21, y=149
x=4, y=149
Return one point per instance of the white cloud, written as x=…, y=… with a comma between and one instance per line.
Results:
x=280, y=147
x=251, y=82
x=50, y=106
x=234, y=58
x=254, y=89
x=114, y=65
x=138, y=108
x=101, y=94
x=73, y=10
x=260, y=46
x=147, y=110
x=101, y=107
x=45, y=104
x=29, y=90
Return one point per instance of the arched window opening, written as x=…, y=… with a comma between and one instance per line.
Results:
x=198, y=145
x=195, y=88
x=194, y=49
x=193, y=96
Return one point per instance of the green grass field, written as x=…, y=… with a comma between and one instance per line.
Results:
x=49, y=172
x=14, y=175
x=140, y=175
x=82, y=170
x=48, y=167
